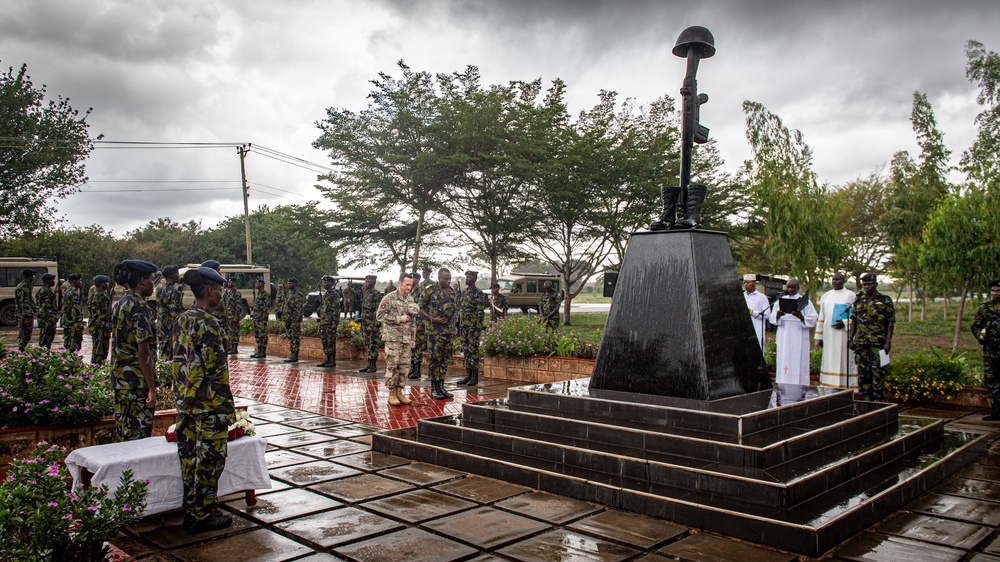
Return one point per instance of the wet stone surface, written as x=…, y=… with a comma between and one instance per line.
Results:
x=331, y=449
x=313, y=472
x=280, y=458
x=290, y=440
x=260, y=545
x=418, y=505
x=409, y=545
x=974, y=489
x=362, y=488
x=954, y=507
x=702, y=547
x=549, y=507
x=936, y=530
x=486, y=527
x=630, y=528
x=339, y=526
x=480, y=489
x=422, y=474
x=273, y=429
x=872, y=547
x=371, y=461
x=315, y=423
x=562, y=545
x=284, y=505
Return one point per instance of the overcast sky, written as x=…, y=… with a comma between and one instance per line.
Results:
x=265, y=71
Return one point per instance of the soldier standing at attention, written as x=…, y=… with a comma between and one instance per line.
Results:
x=47, y=311
x=986, y=329
x=548, y=306
x=132, y=340
x=872, y=321
x=329, y=319
x=261, y=308
x=472, y=319
x=498, y=304
x=398, y=312
x=99, y=308
x=291, y=314
x=279, y=301
x=232, y=301
x=204, y=402
x=370, y=297
x=349, y=300
x=169, y=305
x=438, y=307
x=72, y=313
x=219, y=311
x=24, y=308
x=417, y=356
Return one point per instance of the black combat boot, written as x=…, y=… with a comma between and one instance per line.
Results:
x=214, y=522
x=473, y=377
x=437, y=390
x=443, y=390
x=331, y=360
x=326, y=361
x=468, y=377
x=255, y=354
x=692, y=214
x=414, y=373
x=293, y=359
x=669, y=214
x=263, y=353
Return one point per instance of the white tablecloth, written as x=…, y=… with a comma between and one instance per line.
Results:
x=155, y=459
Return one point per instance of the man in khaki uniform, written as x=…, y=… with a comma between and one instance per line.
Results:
x=397, y=311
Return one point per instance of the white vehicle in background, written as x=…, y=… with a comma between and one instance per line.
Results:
x=10, y=277
x=246, y=276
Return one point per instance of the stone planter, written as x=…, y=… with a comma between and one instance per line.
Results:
x=312, y=348
x=537, y=369
x=969, y=397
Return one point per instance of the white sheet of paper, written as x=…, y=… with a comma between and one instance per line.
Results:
x=883, y=358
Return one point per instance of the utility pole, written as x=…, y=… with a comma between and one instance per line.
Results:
x=246, y=197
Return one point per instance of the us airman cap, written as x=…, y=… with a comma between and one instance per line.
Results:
x=47, y=276
x=470, y=272
x=869, y=277
x=211, y=275
x=27, y=272
x=995, y=283
x=329, y=278
x=293, y=280
x=171, y=270
x=101, y=279
x=749, y=277
x=214, y=264
x=142, y=266
x=74, y=276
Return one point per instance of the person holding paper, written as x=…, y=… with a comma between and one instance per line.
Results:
x=986, y=329
x=757, y=305
x=831, y=335
x=793, y=314
x=872, y=321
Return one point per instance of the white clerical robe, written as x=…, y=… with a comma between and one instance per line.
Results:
x=757, y=305
x=838, y=362
x=792, y=341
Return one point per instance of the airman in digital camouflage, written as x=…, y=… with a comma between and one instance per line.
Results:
x=205, y=408
x=132, y=341
x=232, y=301
x=259, y=314
x=421, y=342
x=498, y=304
x=398, y=312
x=24, y=308
x=72, y=313
x=219, y=310
x=279, y=301
x=349, y=300
x=169, y=305
x=291, y=314
x=329, y=319
x=99, y=309
x=439, y=309
x=370, y=298
x=986, y=329
x=872, y=321
x=47, y=311
x=548, y=306
x=472, y=305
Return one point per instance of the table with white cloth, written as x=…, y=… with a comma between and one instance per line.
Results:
x=155, y=459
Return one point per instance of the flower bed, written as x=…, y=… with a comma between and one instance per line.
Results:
x=523, y=335
x=41, y=387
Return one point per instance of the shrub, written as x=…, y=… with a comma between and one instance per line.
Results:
x=310, y=328
x=41, y=520
x=576, y=344
x=347, y=329
x=246, y=326
x=520, y=335
x=42, y=387
x=921, y=376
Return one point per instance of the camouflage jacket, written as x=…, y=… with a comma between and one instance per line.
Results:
x=46, y=308
x=131, y=324
x=390, y=310
x=369, y=306
x=873, y=315
x=329, y=308
x=472, y=305
x=169, y=305
x=498, y=305
x=72, y=307
x=548, y=304
x=261, y=305
x=24, y=303
x=279, y=301
x=438, y=302
x=295, y=299
x=232, y=301
x=99, y=307
x=988, y=319
x=200, y=367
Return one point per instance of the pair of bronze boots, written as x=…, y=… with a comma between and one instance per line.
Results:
x=687, y=206
x=397, y=398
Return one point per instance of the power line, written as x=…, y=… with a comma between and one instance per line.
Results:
x=161, y=181
x=277, y=188
x=290, y=163
x=137, y=190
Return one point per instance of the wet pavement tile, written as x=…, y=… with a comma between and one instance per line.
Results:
x=418, y=505
x=408, y=545
x=939, y=413
x=276, y=486
x=422, y=474
x=366, y=439
x=313, y=472
x=564, y=545
x=974, y=489
x=481, y=489
x=286, y=414
x=633, y=529
x=173, y=537
x=262, y=408
x=702, y=547
x=348, y=431
x=954, y=507
x=284, y=505
x=935, y=530
x=486, y=527
x=549, y=507
x=320, y=557
x=993, y=548
x=872, y=547
x=330, y=449
x=371, y=461
x=316, y=423
x=282, y=457
x=130, y=545
x=272, y=429
x=983, y=557
x=339, y=526
x=290, y=440
x=361, y=488
x=981, y=472
x=260, y=545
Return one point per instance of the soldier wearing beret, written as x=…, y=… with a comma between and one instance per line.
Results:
x=291, y=314
x=472, y=305
x=219, y=311
x=24, y=308
x=438, y=307
x=232, y=301
x=986, y=330
x=169, y=305
x=397, y=312
x=329, y=319
x=548, y=306
x=261, y=308
x=132, y=342
x=498, y=304
x=421, y=342
x=872, y=321
x=72, y=313
x=370, y=298
x=99, y=309
x=47, y=310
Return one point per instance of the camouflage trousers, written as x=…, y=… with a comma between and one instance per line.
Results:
x=24, y=333
x=293, y=331
x=164, y=348
x=439, y=350
x=870, y=373
x=552, y=323
x=46, y=333
x=397, y=359
x=469, y=340
x=100, y=338
x=991, y=378
x=73, y=336
x=417, y=354
x=202, y=445
x=233, y=330
x=370, y=333
x=328, y=336
x=133, y=420
x=260, y=333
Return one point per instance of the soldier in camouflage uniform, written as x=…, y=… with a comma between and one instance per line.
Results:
x=349, y=300
x=72, y=313
x=99, y=309
x=329, y=319
x=548, y=306
x=986, y=329
x=421, y=342
x=438, y=307
x=169, y=305
x=398, y=313
x=279, y=301
x=219, y=311
x=872, y=321
x=472, y=304
x=291, y=314
x=132, y=342
x=204, y=402
x=47, y=311
x=261, y=308
x=370, y=297
x=498, y=304
x=232, y=301
x=24, y=308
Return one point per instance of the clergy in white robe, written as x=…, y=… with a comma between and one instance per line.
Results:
x=757, y=305
x=792, y=338
x=837, y=368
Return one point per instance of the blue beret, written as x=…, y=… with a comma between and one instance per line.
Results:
x=48, y=276
x=868, y=277
x=211, y=263
x=293, y=279
x=101, y=279
x=211, y=274
x=27, y=272
x=171, y=270
x=74, y=276
x=142, y=266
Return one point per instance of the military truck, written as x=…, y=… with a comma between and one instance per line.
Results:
x=246, y=276
x=524, y=289
x=10, y=277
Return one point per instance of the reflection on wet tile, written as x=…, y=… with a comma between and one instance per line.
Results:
x=408, y=545
x=418, y=505
x=361, y=488
x=936, y=530
x=290, y=440
x=172, y=536
x=331, y=449
x=310, y=473
x=975, y=489
x=284, y=505
x=315, y=423
x=284, y=415
x=261, y=545
x=486, y=527
x=981, y=472
x=630, y=528
x=371, y=461
x=339, y=526
x=702, y=547
x=280, y=457
x=422, y=474
x=872, y=547
x=560, y=544
x=480, y=489
x=549, y=507
x=954, y=507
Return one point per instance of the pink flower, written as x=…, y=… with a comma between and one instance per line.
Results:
x=53, y=504
x=92, y=507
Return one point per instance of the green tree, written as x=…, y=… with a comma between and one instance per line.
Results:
x=42, y=151
x=861, y=204
x=88, y=250
x=165, y=242
x=982, y=160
